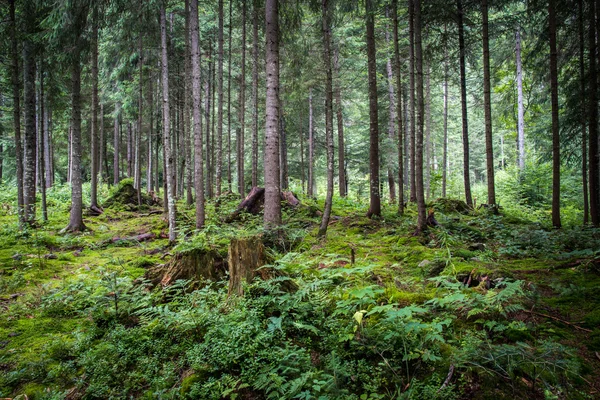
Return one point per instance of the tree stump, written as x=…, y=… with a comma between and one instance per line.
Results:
x=245, y=257
x=192, y=264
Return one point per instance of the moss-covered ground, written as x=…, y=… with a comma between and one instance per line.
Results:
x=511, y=307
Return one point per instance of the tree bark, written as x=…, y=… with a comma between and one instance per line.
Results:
x=41, y=141
x=272, y=215
x=283, y=167
x=390, y=153
x=422, y=218
x=311, y=147
x=583, y=113
x=428, y=133
x=229, y=173
x=520, y=108
x=411, y=107
x=197, y=101
x=116, y=147
x=487, y=107
x=255, y=93
x=555, y=132
x=399, y=121
x=30, y=113
x=94, y=109
x=169, y=158
x=340, y=126
x=189, y=170
x=463, y=96
x=207, y=106
x=219, y=164
x=138, y=141
x=47, y=144
x=328, y=114
x=594, y=156
x=242, y=116
x=375, y=200
x=445, y=143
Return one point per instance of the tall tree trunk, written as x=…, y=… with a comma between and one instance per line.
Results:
x=326, y=21
x=69, y=154
x=340, y=125
x=16, y=89
x=197, y=101
x=169, y=158
x=445, y=143
x=189, y=169
x=242, y=128
x=42, y=132
x=582, y=107
x=487, y=107
x=412, y=105
x=311, y=147
x=138, y=141
x=283, y=168
x=255, y=93
x=47, y=144
x=390, y=153
x=229, y=173
x=301, y=137
x=76, y=218
x=428, y=133
x=463, y=98
x=555, y=132
x=95, y=163
x=102, y=146
x=594, y=156
x=375, y=200
x=520, y=108
x=272, y=215
x=422, y=218
x=30, y=113
x=213, y=119
x=116, y=147
x=398, y=107
x=207, y=106
x=219, y=164
x=129, y=151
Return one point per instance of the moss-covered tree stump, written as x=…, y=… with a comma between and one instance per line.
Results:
x=194, y=264
x=245, y=257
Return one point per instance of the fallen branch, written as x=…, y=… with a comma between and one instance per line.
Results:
x=139, y=238
x=448, y=378
x=558, y=319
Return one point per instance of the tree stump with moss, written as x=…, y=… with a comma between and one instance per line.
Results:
x=194, y=264
x=245, y=257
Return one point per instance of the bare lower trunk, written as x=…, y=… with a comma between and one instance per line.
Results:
x=42, y=133
x=189, y=170
x=520, y=112
x=255, y=94
x=30, y=131
x=398, y=107
x=390, y=153
x=116, y=147
x=586, y=216
x=241, y=136
x=311, y=147
x=283, y=168
x=463, y=95
x=197, y=101
x=375, y=199
x=16, y=110
x=594, y=156
x=412, y=105
x=95, y=163
x=422, y=218
x=219, y=164
x=428, y=133
x=487, y=108
x=555, y=132
x=207, y=106
x=445, y=140
x=229, y=173
x=47, y=145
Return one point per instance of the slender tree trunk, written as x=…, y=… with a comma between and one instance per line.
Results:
x=340, y=125
x=390, y=153
x=520, y=108
x=213, y=119
x=428, y=133
x=116, y=147
x=326, y=21
x=375, y=199
x=272, y=215
x=207, y=106
x=412, y=105
x=301, y=137
x=197, y=101
x=70, y=154
x=445, y=143
x=242, y=128
x=229, y=173
x=311, y=147
x=487, y=107
x=102, y=146
x=555, y=132
x=47, y=145
x=398, y=107
x=422, y=218
x=169, y=158
x=16, y=89
x=583, y=114
x=463, y=95
x=283, y=167
x=138, y=144
x=594, y=156
x=129, y=151
x=255, y=94
x=95, y=163
x=30, y=113
x=42, y=132
x=189, y=169
x=219, y=164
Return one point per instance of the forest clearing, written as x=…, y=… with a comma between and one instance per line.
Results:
x=281, y=199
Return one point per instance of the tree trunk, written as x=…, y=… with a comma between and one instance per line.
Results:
x=311, y=147
x=555, y=132
x=229, y=173
x=219, y=164
x=428, y=133
x=487, y=107
x=583, y=114
x=398, y=107
x=47, y=144
x=189, y=170
x=255, y=93
x=197, y=101
x=390, y=153
x=242, y=110
x=207, y=106
x=283, y=167
x=301, y=137
x=520, y=112
x=149, y=163
x=95, y=163
x=102, y=146
x=412, y=105
x=445, y=143
x=594, y=156
x=463, y=95
x=16, y=111
x=30, y=113
x=340, y=126
x=169, y=158
x=375, y=200
x=42, y=132
x=116, y=149
x=326, y=21
x=138, y=141
x=272, y=215
x=422, y=218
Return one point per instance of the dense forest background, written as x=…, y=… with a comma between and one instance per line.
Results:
x=299, y=199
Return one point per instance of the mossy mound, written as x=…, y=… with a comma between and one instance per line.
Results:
x=126, y=195
x=446, y=206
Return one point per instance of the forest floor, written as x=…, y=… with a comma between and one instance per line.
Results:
x=483, y=306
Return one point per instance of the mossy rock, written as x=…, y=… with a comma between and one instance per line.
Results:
x=125, y=196
x=447, y=206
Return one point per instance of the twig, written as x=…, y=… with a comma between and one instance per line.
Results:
x=559, y=320
x=447, y=381
x=597, y=355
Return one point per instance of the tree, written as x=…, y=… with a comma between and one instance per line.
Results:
x=392, y=116
x=169, y=156
x=242, y=110
x=197, y=101
x=445, y=112
x=328, y=114
x=398, y=106
x=411, y=104
x=554, y=100
x=95, y=163
x=375, y=200
x=311, y=146
x=219, y=165
x=272, y=215
x=116, y=146
x=520, y=108
x=582, y=105
x=463, y=96
x=594, y=156
x=29, y=67
x=420, y=193
x=340, y=127
x=487, y=106
x=255, y=93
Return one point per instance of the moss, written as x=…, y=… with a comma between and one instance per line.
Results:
x=188, y=382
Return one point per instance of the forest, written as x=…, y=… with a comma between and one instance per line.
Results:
x=299, y=199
